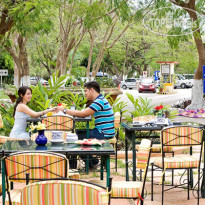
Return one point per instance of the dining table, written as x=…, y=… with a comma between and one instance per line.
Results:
x=133, y=133
x=69, y=149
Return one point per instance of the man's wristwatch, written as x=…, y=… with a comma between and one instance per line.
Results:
x=64, y=111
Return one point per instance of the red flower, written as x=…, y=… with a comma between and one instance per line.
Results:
x=159, y=107
x=3, y=105
x=59, y=104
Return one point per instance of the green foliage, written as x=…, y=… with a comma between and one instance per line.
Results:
x=78, y=72
x=6, y=110
x=43, y=97
x=105, y=82
x=118, y=106
x=141, y=105
x=79, y=100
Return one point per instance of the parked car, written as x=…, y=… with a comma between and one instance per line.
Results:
x=129, y=83
x=35, y=80
x=147, y=84
x=181, y=82
x=190, y=78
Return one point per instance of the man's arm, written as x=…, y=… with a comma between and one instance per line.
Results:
x=77, y=113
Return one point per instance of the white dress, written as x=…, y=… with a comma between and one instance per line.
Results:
x=20, y=124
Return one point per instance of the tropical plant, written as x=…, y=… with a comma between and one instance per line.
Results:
x=141, y=105
x=6, y=110
x=118, y=106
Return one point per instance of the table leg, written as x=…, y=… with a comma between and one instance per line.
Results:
x=87, y=158
x=133, y=157
x=3, y=183
x=126, y=158
x=203, y=178
x=101, y=168
x=108, y=169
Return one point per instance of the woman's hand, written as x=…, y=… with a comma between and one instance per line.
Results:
x=54, y=109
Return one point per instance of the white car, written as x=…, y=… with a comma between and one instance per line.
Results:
x=35, y=80
x=190, y=78
x=129, y=83
x=181, y=82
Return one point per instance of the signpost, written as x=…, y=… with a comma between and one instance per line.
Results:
x=3, y=72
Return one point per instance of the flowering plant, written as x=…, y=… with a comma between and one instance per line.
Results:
x=159, y=110
x=59, y=104
x=39, y=126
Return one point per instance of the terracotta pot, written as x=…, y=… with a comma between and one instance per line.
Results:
x=12, y=98
x=74, y=83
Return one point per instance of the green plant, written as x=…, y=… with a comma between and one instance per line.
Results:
x=141, y=105
x=116, y=105
x=6, y=110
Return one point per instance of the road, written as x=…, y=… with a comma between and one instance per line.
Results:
x=157, y=99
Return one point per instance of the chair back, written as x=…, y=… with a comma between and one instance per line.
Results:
x=181, y=136
x=143, y=154
x=58, y=122
x=64, y=192
x=117, y=120
x=144, y=118
x=37, y=164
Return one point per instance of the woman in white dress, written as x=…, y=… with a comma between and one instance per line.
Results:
x=22, y=112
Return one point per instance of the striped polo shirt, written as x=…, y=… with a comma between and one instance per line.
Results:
x=104, y=116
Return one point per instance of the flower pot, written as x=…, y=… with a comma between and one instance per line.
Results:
x=41, y=139
x=74, y=83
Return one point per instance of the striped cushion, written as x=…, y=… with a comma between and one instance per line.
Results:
x=58, y=123
x=143, y=154
x=73, y=174
x=180, y=161
x=157, y=148
x=63, y=193
x=3, y=139
x=181, y=136
x=54, y=165
x=117, y=120
x=122, y=189
x=145, y=118
x=48, y=134
x=15, y=197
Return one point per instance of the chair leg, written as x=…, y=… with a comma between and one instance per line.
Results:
x=152, y=176
x=116, y=157
x=198, y=186
x=188, y=184
x=163, y=178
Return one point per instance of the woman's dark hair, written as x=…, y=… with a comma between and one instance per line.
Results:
x=93, y=84
x=22, y=91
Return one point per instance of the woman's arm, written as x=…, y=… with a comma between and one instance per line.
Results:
x=24, y=108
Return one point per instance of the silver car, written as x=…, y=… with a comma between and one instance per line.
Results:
x=35, y=80
x=129, y=83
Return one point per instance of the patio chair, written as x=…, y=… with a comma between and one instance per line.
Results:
x=132, y=189
x=175, y=137
x=65, y=192
x=58, y=122
x=39, y=165
x=114, y=141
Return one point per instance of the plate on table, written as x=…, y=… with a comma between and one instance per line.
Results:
x=90, y=142
x=59, y=141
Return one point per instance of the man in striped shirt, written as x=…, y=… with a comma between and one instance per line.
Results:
x=100, y=108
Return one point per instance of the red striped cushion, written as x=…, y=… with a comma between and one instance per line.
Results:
x=180, y=161
x=145, y=118
x=18, y=165
x=143, y=153
x=63, y=193
x=58, y=123
x=117, y=120
x=1, y=122
x=181, y=136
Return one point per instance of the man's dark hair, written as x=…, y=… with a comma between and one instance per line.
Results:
x=93, y=84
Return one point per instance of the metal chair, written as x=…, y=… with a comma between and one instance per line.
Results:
x=133, y=189
x=65, y=192
x=175, y=137
x=39, y=165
